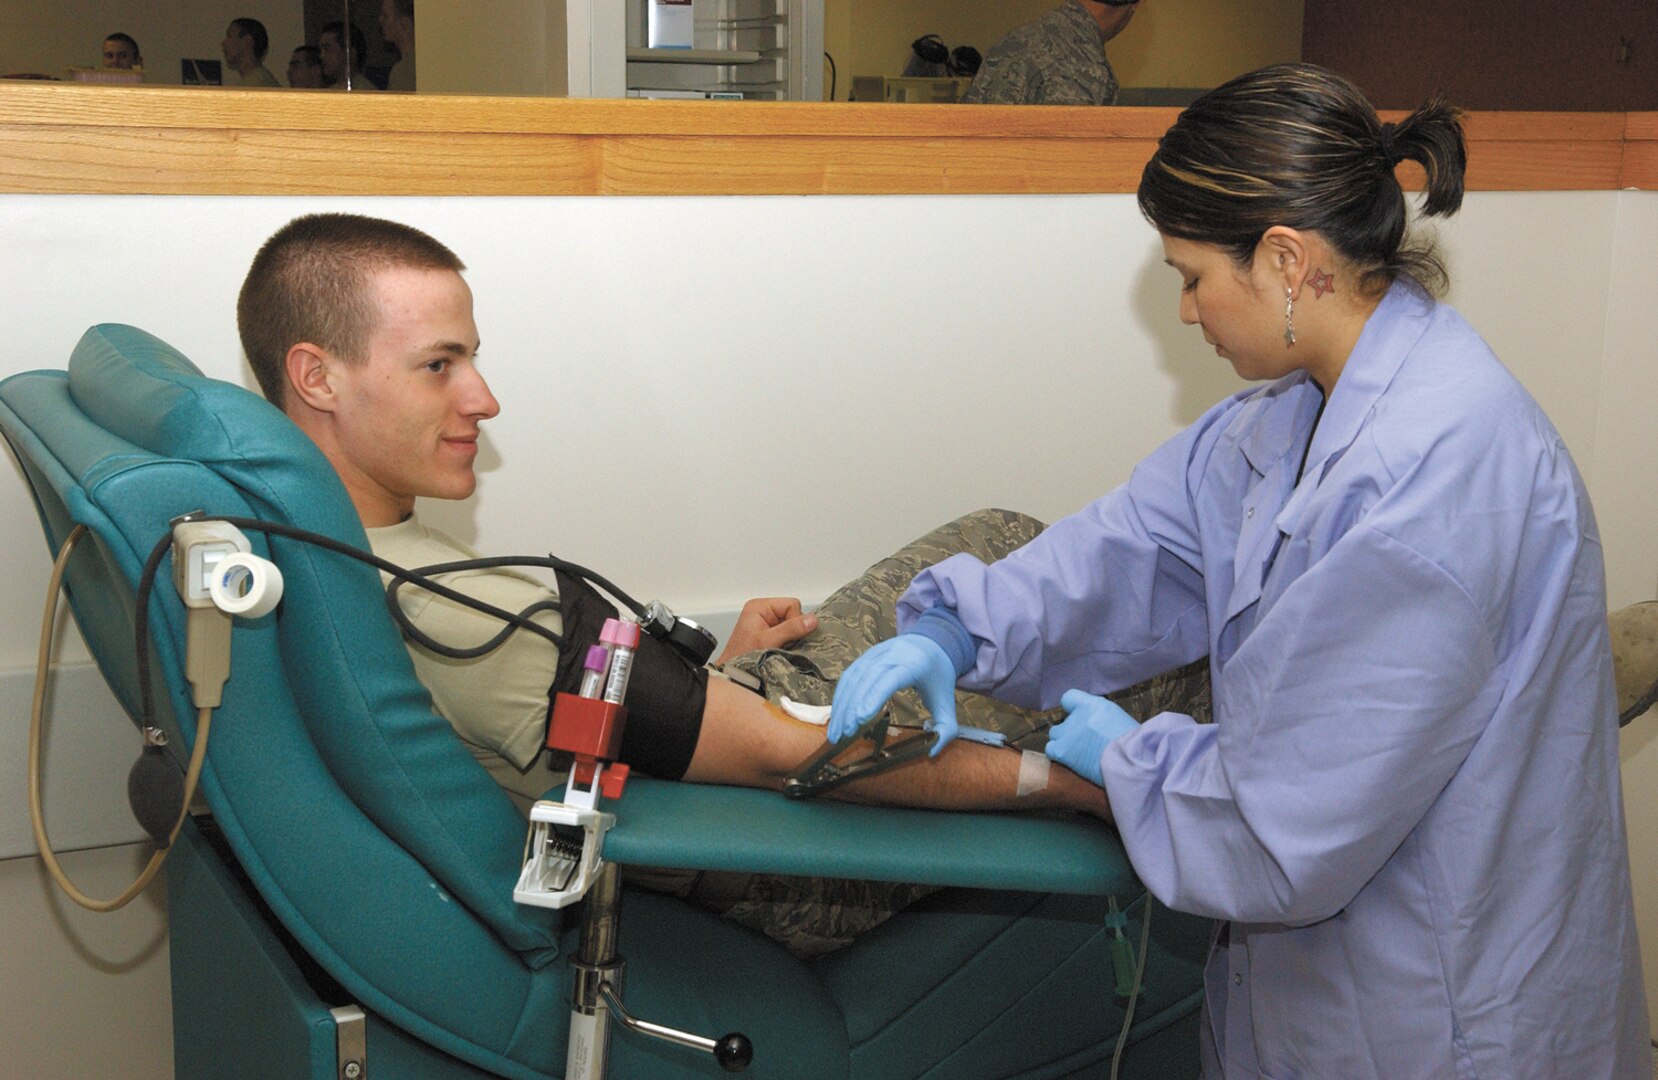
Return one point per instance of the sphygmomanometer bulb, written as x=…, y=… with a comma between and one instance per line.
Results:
x=734, y=1052
x=155, y=791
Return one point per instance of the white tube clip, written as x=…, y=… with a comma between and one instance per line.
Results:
x=558, y=867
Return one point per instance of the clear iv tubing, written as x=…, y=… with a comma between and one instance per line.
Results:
x=1139, y=976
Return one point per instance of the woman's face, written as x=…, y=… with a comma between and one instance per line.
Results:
x=1239, y=309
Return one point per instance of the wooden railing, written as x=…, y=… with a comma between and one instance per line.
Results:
x=153, y=140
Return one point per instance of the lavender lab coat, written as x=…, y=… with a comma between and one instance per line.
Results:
x=1408, y=809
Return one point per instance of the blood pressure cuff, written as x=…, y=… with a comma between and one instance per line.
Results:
x=665, y=695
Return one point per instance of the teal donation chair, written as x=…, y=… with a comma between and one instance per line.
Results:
x=343, y=907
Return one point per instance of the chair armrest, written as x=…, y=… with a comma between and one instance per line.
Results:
x=712, y=827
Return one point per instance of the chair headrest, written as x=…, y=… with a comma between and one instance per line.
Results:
x=140, y=388
x=144, y=390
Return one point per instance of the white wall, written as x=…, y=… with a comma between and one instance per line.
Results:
x=87, y=996
x=824, y=383
x=711, y=398
x=1626, y=502
x=1626, y=449
x=829, y=376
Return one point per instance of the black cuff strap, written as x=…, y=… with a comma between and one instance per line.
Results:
x=665, y=696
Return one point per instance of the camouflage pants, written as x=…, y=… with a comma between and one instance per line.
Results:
x=811, y=916
x=864, y=612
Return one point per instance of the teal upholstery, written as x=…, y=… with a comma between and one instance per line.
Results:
x=359, y=853
x=744, y=829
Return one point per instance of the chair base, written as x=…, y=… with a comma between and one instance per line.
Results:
x=246, y=1002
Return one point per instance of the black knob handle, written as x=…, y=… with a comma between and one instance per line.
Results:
x=734, y=1052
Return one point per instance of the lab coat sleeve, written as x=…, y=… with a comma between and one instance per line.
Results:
x=1349, y=709
x=1100, y=600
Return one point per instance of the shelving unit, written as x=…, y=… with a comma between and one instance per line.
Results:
x=768, y=50
x=694, y=56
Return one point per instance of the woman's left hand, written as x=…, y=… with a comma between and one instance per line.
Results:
x=1091, y=724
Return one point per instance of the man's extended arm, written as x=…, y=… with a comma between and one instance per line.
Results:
x=748, y=742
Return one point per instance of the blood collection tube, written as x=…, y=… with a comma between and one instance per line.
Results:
x=593, y=671
x=607, y=642
x=623, y=640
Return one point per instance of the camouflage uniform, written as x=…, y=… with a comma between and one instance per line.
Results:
x=811, y=916
x=1635, y=658
x=1058, y=59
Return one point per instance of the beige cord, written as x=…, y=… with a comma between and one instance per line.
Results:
x=204, y=720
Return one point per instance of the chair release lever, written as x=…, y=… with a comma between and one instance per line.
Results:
x=734, y=1051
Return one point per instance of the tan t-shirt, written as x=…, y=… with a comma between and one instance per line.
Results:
x=258, y=79
x=402, y=75
x=497, y=703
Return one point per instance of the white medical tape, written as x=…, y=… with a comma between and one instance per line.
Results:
x=810, y=714
x=1033, y=773
x=246, y=585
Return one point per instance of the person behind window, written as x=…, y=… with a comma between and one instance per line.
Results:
x=305, y=68
x=331, y=47
x=1058, y=59
x=244, y=48
x=121, y=51
x=397, y=27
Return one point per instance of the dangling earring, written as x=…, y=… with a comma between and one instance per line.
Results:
x=1289, y=317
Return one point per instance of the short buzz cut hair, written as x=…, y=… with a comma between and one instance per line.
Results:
x=312, y=281
x=359, y=42
x=126, y=39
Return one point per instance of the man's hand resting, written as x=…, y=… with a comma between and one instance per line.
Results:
x=767, y=623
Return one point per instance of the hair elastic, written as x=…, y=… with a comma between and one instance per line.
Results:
x=1389, y=145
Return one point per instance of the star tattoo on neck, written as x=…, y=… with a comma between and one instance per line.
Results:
x=1322, y=283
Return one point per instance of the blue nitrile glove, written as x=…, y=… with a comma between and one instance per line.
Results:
x=1091, y=724
x=906, y=660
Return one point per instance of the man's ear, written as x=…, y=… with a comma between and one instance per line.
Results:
x=1284, y=253
x=309, y=369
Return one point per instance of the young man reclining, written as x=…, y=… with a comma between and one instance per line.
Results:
x=362, y=331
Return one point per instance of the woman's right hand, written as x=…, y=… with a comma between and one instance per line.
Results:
x=892, y=665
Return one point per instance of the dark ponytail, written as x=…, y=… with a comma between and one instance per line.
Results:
x=1298, y=145
x=1431, y=136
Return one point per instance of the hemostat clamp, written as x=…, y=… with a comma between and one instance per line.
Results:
x=821, y=772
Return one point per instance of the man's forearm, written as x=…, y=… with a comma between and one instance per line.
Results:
x=970, y=776
x=748, y=742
